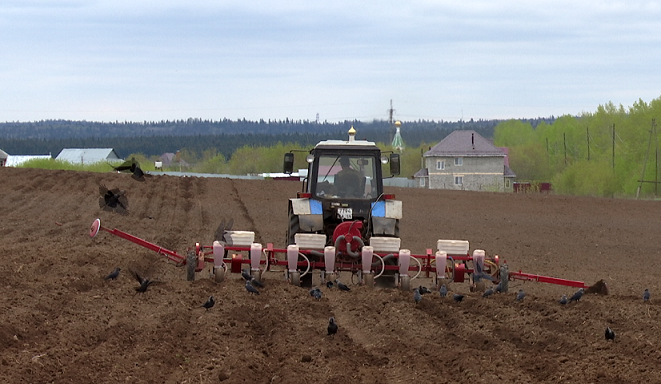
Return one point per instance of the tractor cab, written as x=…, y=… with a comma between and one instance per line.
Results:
x=344, y=185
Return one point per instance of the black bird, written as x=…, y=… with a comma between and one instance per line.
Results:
x=256, y=283
x=250, y=288
x=332, y=326
x=576, y=296
x=341, y=286
x=329, y=284
x=245, y=273
x=113, y=275
x=209, y=303
x=138, y=174
x=316, y=293
x=423, y=290
x=132, y=166
x=646, y=295
x=563, y=300
x=488, y=292
x=457, y=297
x=128, y=165
x=144, y=282
x=222, y=229
x=113, y=200
x=417, y=296
x=443, y=290
x=610, y=334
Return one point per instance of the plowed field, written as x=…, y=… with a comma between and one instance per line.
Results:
x=61, y=322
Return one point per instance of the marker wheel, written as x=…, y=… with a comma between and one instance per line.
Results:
x=94, y=229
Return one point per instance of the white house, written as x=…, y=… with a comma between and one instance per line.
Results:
x=87, y=155
x=467, y=161
x=16, y=160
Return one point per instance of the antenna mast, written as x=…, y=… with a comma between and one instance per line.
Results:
x=391, y=111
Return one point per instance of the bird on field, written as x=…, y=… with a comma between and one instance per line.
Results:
x=576, y=296
x=329, y=284
x=499, y=287
x=488, y=292
x=250, y=288
x=610, y=334
x=520, y=295
x=563, y=300
x=341, y=286
x=646, y=295
x=443, y=290
x=316, y=293
x=113, y=275
x=417, y=296
x=209, y=303
x=144, y=282
x=256, y=283
x=423, y=290
x=113, y=200
x=222, y=229
x=457, y=297
x=332, y=326
x=245, y=273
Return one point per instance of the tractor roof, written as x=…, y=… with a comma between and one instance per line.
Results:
x=352, y=142
x=339, y=143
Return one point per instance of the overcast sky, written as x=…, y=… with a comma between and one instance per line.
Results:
x=174, y=59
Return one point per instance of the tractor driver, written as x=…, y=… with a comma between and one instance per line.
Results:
x=348, y=180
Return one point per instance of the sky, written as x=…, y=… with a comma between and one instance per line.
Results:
x=335, y=60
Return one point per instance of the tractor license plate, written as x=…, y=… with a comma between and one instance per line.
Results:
x=344, y=213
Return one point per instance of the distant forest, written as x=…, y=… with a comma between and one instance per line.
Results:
x=225, y=136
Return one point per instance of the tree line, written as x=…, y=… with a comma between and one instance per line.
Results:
x=197, y=136
x=613, y=151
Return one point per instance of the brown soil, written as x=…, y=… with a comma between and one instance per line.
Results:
x=61, y=322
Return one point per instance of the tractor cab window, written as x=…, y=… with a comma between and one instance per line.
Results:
x=346, y=177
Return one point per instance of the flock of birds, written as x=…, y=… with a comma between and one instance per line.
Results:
x=520, y=295
x=115, y=200
x=251, y=285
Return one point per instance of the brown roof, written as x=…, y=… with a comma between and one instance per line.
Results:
x=466, y=143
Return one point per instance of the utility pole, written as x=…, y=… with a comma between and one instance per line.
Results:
x=656, y=160
x=391, y=111
x=564, y=142
x=613, y=155
x=587, y=133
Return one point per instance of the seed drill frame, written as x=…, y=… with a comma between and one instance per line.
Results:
x=451, y=262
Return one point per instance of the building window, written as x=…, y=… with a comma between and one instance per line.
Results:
x=440, y=165
x=458, y=161
x=422, y=181
x=507, y=183
x=458, y=180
